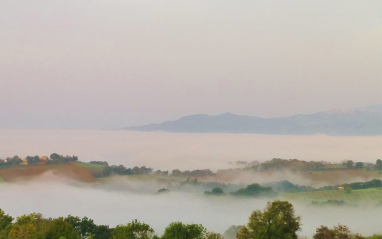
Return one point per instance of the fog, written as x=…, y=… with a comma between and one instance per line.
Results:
x=112, y=205
x=167, y=151
x=122, y=200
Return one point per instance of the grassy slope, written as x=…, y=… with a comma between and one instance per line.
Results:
x=373, y=195
x=71, y=170
x=342, y=176
x=94, y=169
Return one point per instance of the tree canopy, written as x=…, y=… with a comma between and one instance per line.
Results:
x=278, y=220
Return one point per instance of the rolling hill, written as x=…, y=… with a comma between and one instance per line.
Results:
x=365, y=121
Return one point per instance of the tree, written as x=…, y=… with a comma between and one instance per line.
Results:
x=33, y=225
x=178, y=230
x=23, y=231
x=276, y=221
x=55, y=156
x=59, y=228
x=5, y=224
x=213, y=235
x=102, y=232
x=87, y=227
x=217, y=191
x=359, y=165
x=133, y=230
x=255, y=190
x=378, y=164
x=349, y=164
x=5, y=220
x=33, y=159
x=338, y=232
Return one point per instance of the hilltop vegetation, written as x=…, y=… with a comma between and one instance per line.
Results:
x=210, y=183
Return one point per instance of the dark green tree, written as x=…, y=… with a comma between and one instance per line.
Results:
x=102, y=232
x=5, y=224
x=349, y=164
x=59, y=228
x=178, y=230
x=359, y=165
x=213, y=235
x=276, y=221
x=378, y=164
x=338, y=232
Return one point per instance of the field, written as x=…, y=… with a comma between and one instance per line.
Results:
x=342, y=175
x=94, y=169
x=70, y=170
x=353, y=197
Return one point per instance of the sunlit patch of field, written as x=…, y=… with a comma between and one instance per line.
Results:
x=24, y=173
x=95, y=169
x=373, y=196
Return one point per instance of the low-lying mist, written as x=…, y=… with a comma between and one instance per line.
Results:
x=119, y=201
x=167, y=151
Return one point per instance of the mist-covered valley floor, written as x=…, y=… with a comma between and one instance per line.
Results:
x=121, y=200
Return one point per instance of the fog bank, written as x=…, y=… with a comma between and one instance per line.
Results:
x=167, y=151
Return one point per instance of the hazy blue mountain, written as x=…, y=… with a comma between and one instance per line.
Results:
x=359, y=121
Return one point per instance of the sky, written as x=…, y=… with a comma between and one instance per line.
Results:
x=104, y=64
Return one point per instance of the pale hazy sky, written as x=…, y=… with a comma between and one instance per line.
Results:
x=115, y=63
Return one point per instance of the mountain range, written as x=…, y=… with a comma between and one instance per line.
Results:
x=365, y=121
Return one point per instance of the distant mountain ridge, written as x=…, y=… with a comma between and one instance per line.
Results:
x=365, y=121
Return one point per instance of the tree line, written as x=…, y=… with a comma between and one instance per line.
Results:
x=54, y=158
x=277, y=220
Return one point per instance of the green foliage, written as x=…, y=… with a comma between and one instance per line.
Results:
x=5, y=224
x=33, y=159
x=215, y=192
x=378, y=164
x=375, y=236
x=349, y=164
x=163, y=190
x=276, y=221
x=133, y=230
x=213, y=235
x=178, y=230
x=24, y=231
x=29, y=226
x=374, y=183
x=56, y=158
x=338, y=232
x=102, y=232
x=8, y=162
x=289, y=164
x=255, y=190
x=60, y=228
x=5, y=220
x=286, y=186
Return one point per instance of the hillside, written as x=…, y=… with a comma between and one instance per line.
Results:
x=74, y=170
x=365, y=121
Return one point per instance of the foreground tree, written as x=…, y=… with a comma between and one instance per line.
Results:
x=276, y=221
x=178, y=230
x=59, y=228
x=338, y=232
x=133, y=230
